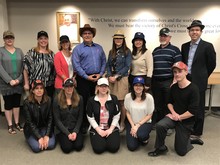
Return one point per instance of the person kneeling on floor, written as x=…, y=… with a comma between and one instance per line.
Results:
x=183, y=105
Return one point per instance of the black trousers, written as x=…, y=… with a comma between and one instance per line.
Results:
x=86, y=89
x=160, y=90
x=182, y=143
x=67, y=145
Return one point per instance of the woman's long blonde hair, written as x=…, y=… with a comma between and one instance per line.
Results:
x=62, y=99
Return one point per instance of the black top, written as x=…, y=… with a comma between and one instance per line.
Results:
x=185, y=99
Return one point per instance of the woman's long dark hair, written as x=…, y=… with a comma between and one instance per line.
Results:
x=113, y=51
x=143, y=49
x=32, y=99
x=133, y=95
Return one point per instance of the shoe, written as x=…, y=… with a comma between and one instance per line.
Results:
x=144, y=143
x=158, y=152
x=11, y=130
x=19, y=127
x=196, y=141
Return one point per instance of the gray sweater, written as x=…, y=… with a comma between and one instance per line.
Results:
x=7, y=74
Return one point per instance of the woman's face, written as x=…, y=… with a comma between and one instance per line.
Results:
x=43, y=41
x=138, y=43
x=103, y=89
x=65, y=45
x=138, y=88
x=68, y=90
x=118, y=42
x=9, y=41
x=38, y=91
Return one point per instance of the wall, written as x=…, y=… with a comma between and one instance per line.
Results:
x=26, y=18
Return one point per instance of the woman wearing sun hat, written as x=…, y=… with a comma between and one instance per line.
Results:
x=142, y=60
x=118, y=65
x=38, y=128
x=139, y=109
x=11, y=79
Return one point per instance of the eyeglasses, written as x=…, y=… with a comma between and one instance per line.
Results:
x=87, y=33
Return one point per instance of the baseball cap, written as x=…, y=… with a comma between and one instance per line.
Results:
x=42, y=33
x=164, y=31
x=180, y=65
x=68, y=83
x=139, y=80
x=64, y=38
x=103, y=81
x=35, y=83
x=7, y=34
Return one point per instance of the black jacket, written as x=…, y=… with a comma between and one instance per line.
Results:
x=68, y=119
x=204, y=62
x=32, y=118
x=93, y=108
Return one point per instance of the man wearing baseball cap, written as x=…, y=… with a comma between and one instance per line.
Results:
x=200, y=56
x=164, y=56
x=183, y=105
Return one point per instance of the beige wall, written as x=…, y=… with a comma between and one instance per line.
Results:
x=26, y=18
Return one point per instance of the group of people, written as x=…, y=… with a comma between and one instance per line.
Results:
x=82, y=89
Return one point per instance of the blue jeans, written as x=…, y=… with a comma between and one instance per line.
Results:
x=142, y=135
x=34, y=144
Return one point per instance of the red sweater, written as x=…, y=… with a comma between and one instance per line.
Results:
x=61, y=68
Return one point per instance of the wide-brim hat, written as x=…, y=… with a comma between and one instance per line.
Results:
x=87, y=27
x=196, y=23
x=8, y=34
x=118, y=34
x=139, y=35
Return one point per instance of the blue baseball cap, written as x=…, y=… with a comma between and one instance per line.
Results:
x=139, y=80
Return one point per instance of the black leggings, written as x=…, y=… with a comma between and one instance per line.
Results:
x=67, y=145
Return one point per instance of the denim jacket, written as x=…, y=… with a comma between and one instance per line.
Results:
x=123, y=63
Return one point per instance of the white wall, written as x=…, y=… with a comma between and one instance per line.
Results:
x=26, y=18
x=3, y=18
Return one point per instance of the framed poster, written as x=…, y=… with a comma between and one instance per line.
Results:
x=68, y=24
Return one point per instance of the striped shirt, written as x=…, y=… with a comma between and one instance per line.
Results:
x=163, y=59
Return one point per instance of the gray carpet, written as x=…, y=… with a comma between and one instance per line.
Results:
x=14, y=151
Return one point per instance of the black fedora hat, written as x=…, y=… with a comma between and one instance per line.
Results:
x=196, y=23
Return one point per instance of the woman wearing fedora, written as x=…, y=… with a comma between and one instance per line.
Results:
x=142, y=61
x=89, y=62
x=118, y=65
x=63, y=63
x=11, y=80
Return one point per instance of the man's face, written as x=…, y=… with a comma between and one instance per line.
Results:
x=179, y=74
x=164, y=40
x=87, y=36
x=195, y=33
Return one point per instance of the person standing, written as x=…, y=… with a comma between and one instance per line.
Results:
x=89, y=62
x=39, y=64
x=118, y=65
x=139, y=107
x=183, y=106
x=63, y=63
x=11, y=80
x=164, y=57
x=142, y=61
x=68, y=116
x=200, y=56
